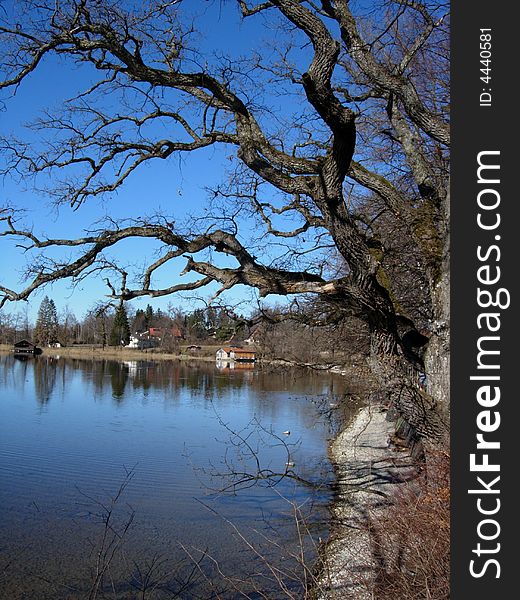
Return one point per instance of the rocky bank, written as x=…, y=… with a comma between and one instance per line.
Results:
x=370, y=469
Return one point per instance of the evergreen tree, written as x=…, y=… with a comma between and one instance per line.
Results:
x=139, y=321
x=148, y=315
x=46, y=328
x=120, y=332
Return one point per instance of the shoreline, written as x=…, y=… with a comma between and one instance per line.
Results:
x=207, y=354
x=369, y=472
x=111, y=353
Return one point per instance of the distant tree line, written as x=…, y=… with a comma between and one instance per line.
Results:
x=291, y=338
x=114, y=326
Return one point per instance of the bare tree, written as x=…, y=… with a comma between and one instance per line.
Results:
x=356, y=166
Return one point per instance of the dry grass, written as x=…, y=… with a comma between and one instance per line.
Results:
x=411, y=540
x=97, y=352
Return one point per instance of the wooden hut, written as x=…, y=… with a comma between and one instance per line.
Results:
x=234, y=353
x=26, y=348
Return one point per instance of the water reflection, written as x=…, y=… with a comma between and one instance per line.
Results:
x=232, y=365
x=170, y=423
x=45, y=374
x=169, y=376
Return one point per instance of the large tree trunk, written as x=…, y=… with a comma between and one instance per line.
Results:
x=424, y=404
x=437, y=356
x=401, y=385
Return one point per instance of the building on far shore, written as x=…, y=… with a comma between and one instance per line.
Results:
x=153, y=337
x=142, y=342
x=26, y=348
x=254, y=337
x=161, y=332
x=54, y=343
x=235, y=353
x=193, y=349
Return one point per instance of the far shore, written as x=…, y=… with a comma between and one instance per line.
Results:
x=97, y=352
x=351, y=368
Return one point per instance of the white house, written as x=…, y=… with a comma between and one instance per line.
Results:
x=141, y=342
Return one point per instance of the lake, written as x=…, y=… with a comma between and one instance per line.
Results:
x=160, y=479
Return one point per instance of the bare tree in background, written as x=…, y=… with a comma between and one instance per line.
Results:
x=355, y=165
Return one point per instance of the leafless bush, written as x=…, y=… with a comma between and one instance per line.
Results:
x=298, y=342
x=411, y=540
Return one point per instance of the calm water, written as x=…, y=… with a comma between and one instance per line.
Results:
x=166, y=437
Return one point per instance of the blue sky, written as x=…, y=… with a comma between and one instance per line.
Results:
x=176, y=186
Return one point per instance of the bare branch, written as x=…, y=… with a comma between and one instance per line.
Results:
x=393, y=82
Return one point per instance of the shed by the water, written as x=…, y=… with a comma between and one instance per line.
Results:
x=26, y=348
x=234, y=353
